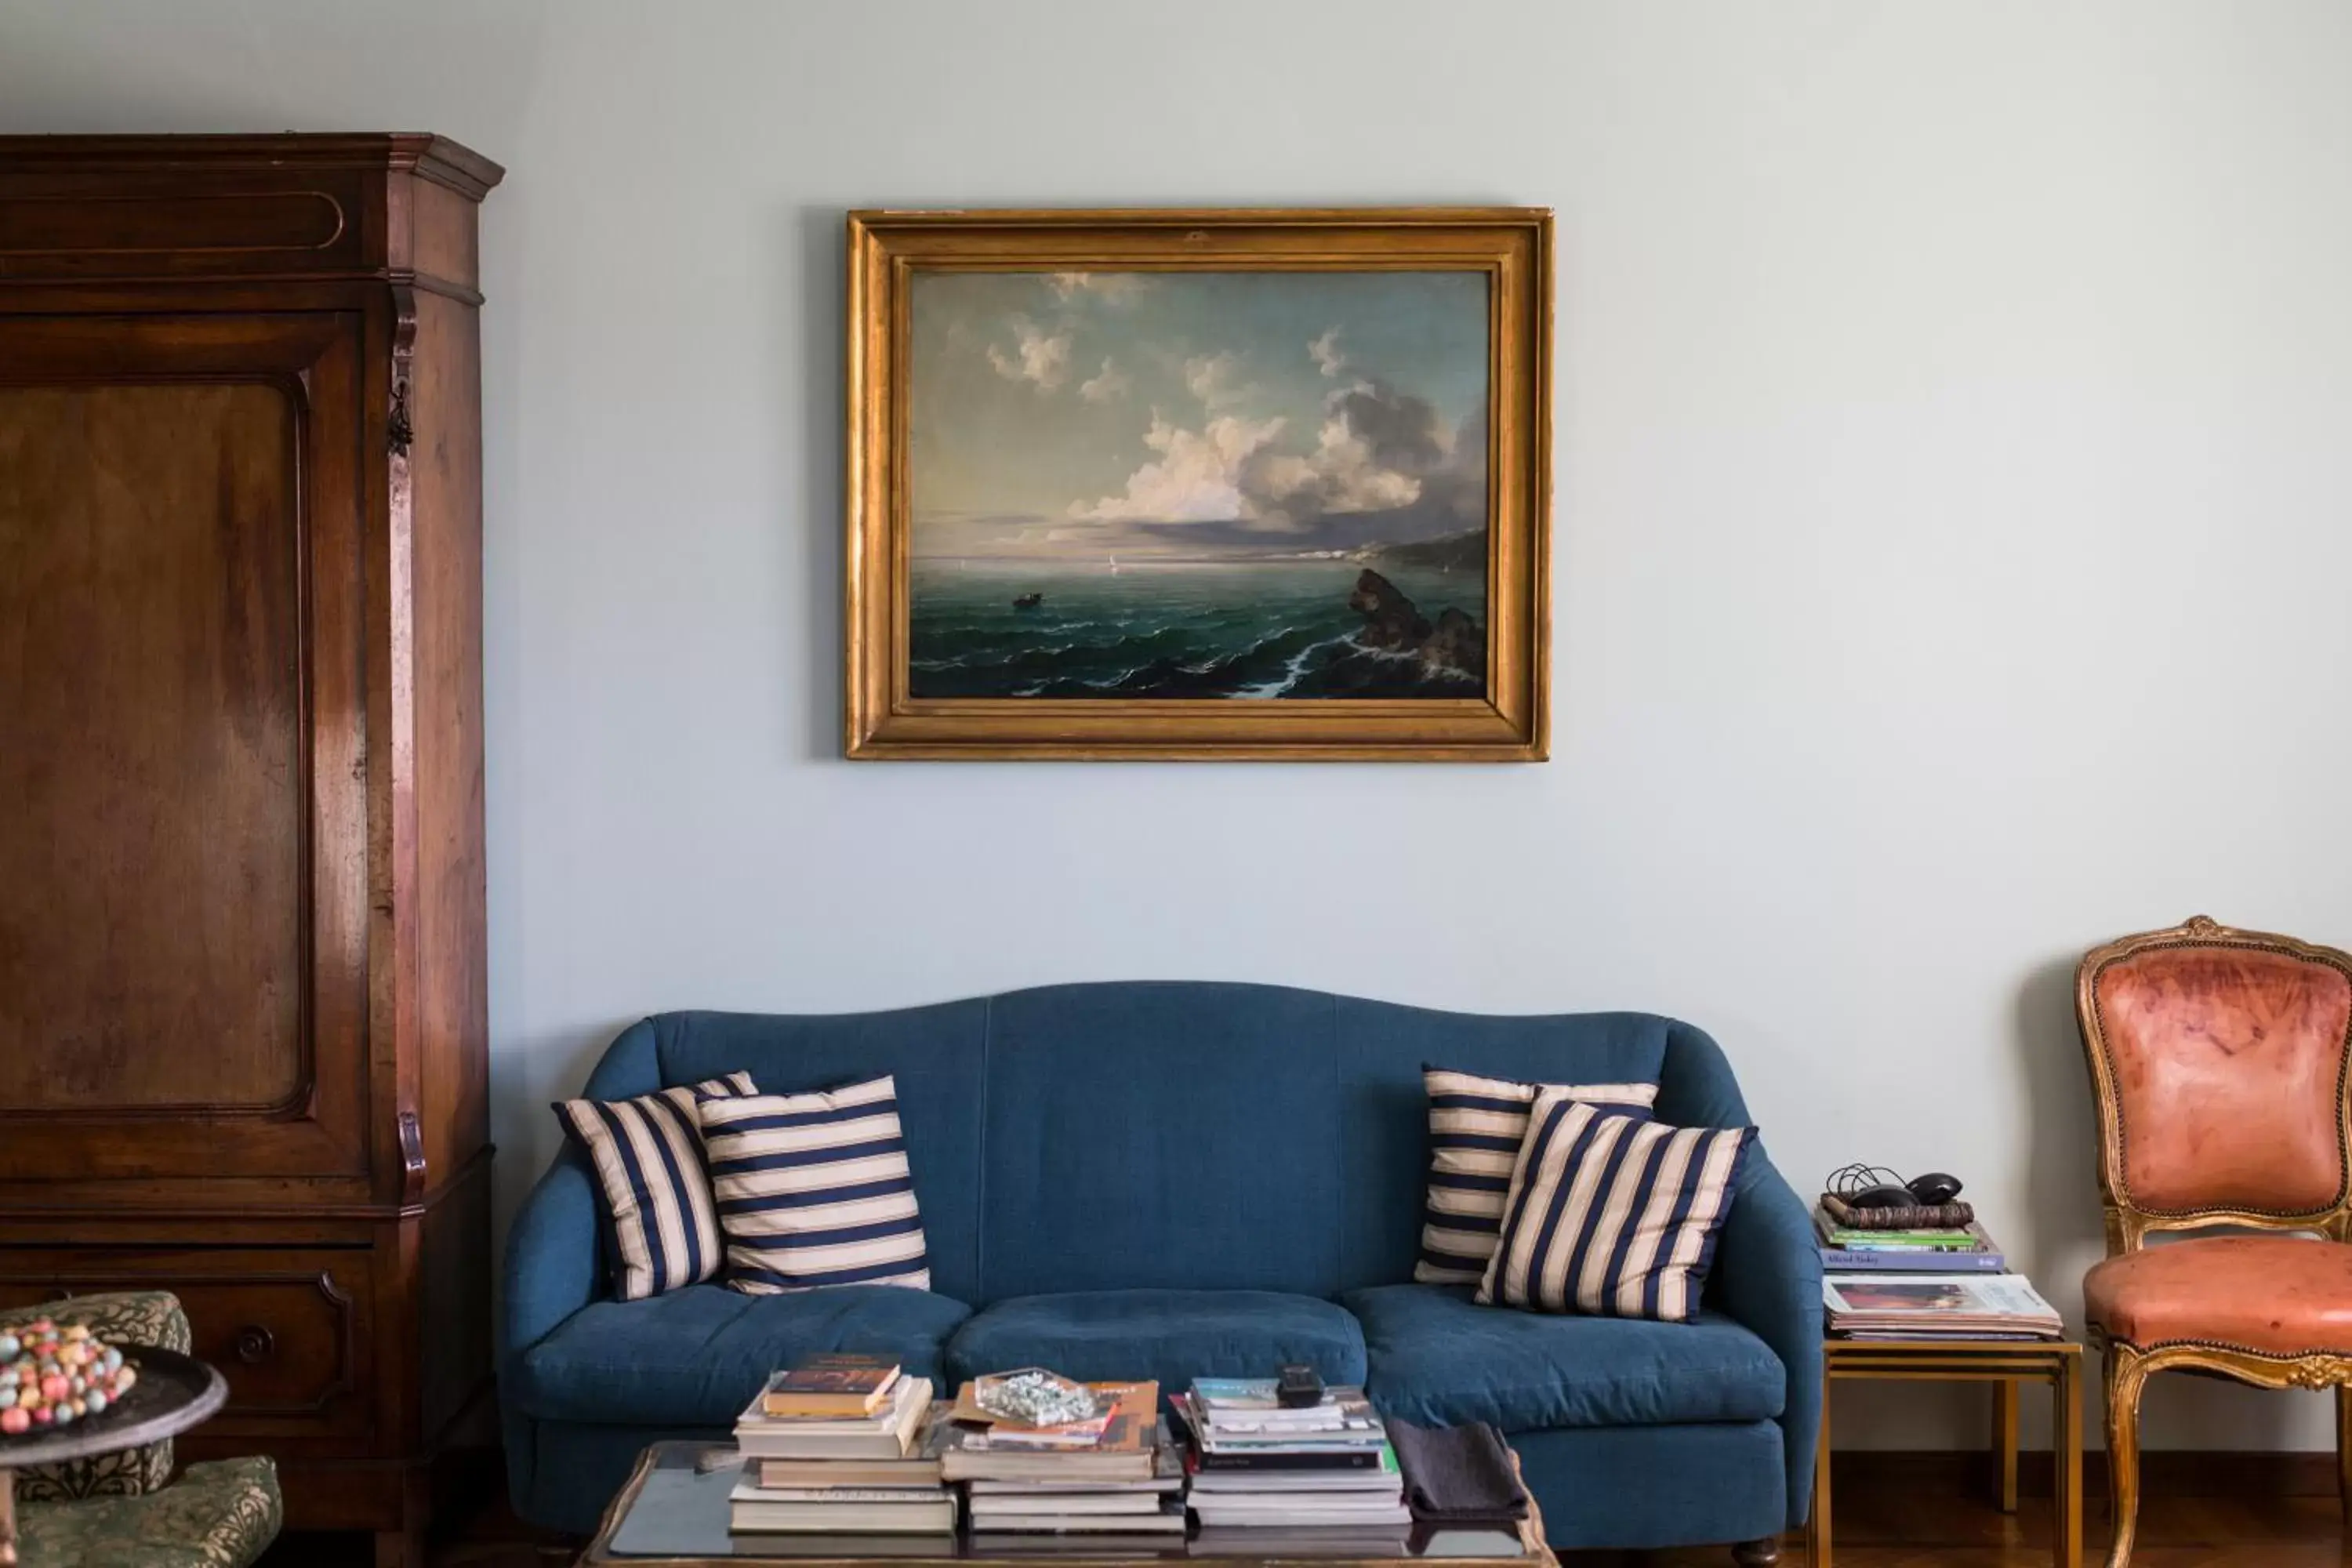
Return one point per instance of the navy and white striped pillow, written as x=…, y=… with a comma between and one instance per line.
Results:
x=814, y=1189
x=647, y=1155
x=1612, y=1213
x=1476, y=1127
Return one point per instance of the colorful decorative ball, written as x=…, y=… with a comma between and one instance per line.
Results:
x=52, y=1376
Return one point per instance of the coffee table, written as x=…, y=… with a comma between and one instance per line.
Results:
x=673, y=1514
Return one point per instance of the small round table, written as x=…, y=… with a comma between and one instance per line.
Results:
x=174, y=1393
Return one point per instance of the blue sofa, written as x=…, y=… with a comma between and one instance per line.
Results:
x=1175, y=1180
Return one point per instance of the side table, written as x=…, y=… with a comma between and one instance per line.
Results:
x=2004, y=1364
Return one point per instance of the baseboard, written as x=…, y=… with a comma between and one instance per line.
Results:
x=2175, y=1473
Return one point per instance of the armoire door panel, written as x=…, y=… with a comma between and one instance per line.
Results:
x=183, y=801
x=149, y=658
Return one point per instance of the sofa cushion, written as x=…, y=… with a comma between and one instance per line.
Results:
x=1173, y=1335
x=696, y=1356
x=220, y=1515
x=1612, y=1215
x=1438, y=1358
x=814, y=1189
x=1476, y=1127
x=660, y=1228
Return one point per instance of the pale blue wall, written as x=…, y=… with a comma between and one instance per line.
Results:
x=1954, y=517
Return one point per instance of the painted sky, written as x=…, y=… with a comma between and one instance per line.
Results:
x=1194, y=415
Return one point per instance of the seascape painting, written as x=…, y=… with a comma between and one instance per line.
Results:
x=1256, y=485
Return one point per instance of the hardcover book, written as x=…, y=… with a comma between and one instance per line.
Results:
x=888, y=1434
x=837, y=1384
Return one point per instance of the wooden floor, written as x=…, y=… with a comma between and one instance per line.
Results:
x=1890, y=1530
x=1883, y=1529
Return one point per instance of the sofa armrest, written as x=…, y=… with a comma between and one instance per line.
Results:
x=551, y=1271
x=552, y=1256
x=1768, y=1271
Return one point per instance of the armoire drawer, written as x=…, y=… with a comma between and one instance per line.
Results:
x=286, y=1326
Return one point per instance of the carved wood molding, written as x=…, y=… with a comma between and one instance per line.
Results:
x=412, y=1159
x=400, y=430
x=2314, y=1369
x=345, y=1383
x=166, y=221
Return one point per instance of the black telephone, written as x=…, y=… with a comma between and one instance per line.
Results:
x=1297, y=1387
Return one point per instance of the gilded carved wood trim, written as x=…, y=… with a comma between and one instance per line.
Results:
x=885, y=717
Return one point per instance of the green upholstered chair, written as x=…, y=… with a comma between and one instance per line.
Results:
x=124, y=1511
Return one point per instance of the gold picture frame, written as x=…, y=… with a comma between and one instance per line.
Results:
x=1311, y=486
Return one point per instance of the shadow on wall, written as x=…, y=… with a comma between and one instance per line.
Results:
x=528, y=1141
x=2062, y=1148
x=810, y=348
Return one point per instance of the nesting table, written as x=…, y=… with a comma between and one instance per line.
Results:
x=2006, y=1364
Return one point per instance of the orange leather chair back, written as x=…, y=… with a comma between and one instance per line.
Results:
x=2220, y=1059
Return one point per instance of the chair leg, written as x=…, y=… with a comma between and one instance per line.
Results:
x=2126, y=1380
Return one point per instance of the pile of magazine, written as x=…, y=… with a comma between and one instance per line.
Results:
x=1264, y=1474
x=841, y=1445
x=1110, y=1482
x=1937, y=1307
x=1935, y=1249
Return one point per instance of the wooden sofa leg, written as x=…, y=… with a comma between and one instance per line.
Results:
x=1757, y=1553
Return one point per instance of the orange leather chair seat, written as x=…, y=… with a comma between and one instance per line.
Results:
x=2276, y=1294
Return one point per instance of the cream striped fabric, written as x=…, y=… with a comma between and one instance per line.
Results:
x=1476, y=1127
x=1612, y=1215
x=814, y=1189
x=662, y=1226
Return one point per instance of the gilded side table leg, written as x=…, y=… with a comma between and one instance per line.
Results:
x=1817, y=1527
x=2004, y=1442
x=2066, y=1458
x=2126, y=1380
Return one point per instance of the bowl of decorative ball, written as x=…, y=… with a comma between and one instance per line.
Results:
x=54, y=1375
x=64, y=1392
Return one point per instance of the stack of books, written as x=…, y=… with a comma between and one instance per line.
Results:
x=1937, y=1307
x=1262, y=1473
x=1939, y=1249
x=842, y=1445
x=1110, y=1482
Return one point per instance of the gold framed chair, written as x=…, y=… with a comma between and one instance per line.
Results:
x=2222, y=1063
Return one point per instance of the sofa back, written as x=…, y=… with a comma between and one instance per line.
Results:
x=1175, y=1134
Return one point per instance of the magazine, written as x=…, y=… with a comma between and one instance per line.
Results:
x=1959, y=1306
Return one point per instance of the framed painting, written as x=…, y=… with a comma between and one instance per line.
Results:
x=1199, y=484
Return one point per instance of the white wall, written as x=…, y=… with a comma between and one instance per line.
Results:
x=1953, y=521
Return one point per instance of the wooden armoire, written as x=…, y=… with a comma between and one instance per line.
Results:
x=242, y=1022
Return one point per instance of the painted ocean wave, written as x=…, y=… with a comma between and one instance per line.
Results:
x=1247, y=631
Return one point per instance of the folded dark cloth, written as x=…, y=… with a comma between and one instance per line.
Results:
x=1458, y=1474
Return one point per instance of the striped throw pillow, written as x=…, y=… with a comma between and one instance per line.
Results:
x=1475, y=1126
x=1612, y=1215
x=814, y=1189
x=648, y=1156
